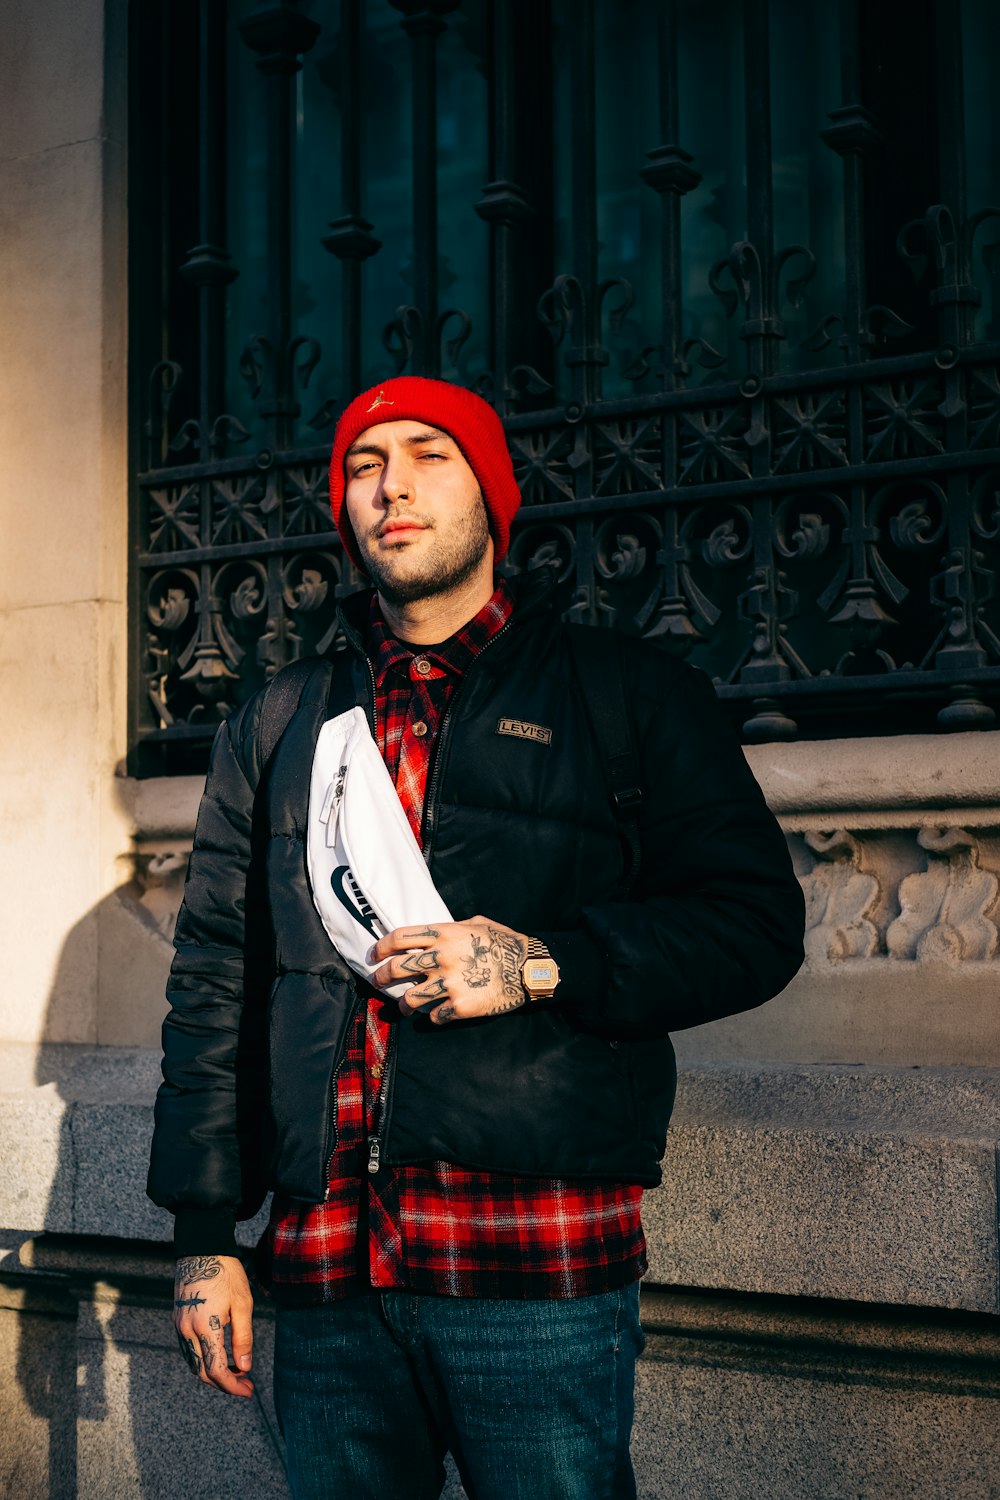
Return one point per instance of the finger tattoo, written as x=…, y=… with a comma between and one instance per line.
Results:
x=431, y=997
x=427, y=932
x=444, y=1013
x=208, y=1353
x=190, y=1353
x=193, y=1301
x=420, y=963
x=434, y=991
x=213, y=1321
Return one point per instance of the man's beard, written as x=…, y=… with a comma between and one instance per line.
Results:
x=452, y=559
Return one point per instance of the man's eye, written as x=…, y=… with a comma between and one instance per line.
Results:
x=362, y=467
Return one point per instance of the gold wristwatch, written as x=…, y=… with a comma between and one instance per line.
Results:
x=539, y=972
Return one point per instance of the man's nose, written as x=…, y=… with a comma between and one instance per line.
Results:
x=396, y=484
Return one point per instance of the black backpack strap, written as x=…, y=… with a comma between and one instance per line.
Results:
x=285, y=691
x=282, y=697
x=597, y=662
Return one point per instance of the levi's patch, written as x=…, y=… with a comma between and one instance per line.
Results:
x=520, y=729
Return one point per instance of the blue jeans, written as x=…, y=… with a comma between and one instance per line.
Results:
x=534, y=1399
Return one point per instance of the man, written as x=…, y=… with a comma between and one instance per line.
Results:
x=455, y=1244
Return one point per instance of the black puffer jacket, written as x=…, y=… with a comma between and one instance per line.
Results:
x=517, y=830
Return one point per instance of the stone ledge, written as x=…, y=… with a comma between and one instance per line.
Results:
x=75, y=1126
x=915, y=1348
x=890, y=772
x=872, y=779
x=741, y=1399
x=99, y=1260
x=161, y=807
x=861, y=1184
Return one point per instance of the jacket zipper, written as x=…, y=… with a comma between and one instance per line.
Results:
x=389, y=1061
x=371, y=679
x=335, y=1132
x=377, y=1138
x=381, y=1105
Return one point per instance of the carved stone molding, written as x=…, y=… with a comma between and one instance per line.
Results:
x=918, y=894
x=943, y=910
x=840, y=898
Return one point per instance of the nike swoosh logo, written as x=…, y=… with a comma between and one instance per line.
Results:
x=354, y=902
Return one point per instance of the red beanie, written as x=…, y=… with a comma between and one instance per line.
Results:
x=463, y=415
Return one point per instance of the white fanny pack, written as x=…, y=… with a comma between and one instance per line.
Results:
x=365, y=867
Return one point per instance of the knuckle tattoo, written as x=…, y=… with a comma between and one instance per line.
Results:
x=430, y=996
x=420, y=963
x=192, y=1357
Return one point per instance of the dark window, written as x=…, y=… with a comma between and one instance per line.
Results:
x=728, y=269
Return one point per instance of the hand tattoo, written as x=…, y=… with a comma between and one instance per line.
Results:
x=213, y=1322
x=432, y=996
x=197, y=1268
x=444, y=1013
x=193, y=1301
x=427, y=932
x=420, y=963
x=477, y=972
x=208, y=1353
x=509, y=952
x=190, y=1353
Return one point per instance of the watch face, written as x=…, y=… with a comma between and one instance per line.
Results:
x=540, y=971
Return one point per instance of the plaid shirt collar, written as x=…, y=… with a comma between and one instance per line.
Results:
x=452, y=656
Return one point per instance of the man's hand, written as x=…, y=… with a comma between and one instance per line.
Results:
x=461, y=969
x=211, y=1292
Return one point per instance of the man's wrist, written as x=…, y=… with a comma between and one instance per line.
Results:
x=583, y=971
x=205, y=1231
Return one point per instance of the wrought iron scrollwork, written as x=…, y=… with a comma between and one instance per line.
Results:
x=822, y=540
x=404, y=337
x=820, y=574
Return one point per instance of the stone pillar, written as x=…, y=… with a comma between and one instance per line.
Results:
x=63, y=505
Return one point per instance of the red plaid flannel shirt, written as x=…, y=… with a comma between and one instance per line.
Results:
x=438, y=1228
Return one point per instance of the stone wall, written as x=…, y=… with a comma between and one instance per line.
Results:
x=63, y=505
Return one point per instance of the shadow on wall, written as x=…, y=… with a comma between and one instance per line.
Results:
x=113, y=1408
x=106, y=1391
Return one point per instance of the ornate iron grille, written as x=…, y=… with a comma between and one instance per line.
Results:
x=811, y=518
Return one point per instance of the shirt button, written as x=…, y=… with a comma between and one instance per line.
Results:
x=419, y=729
x=422, y=665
